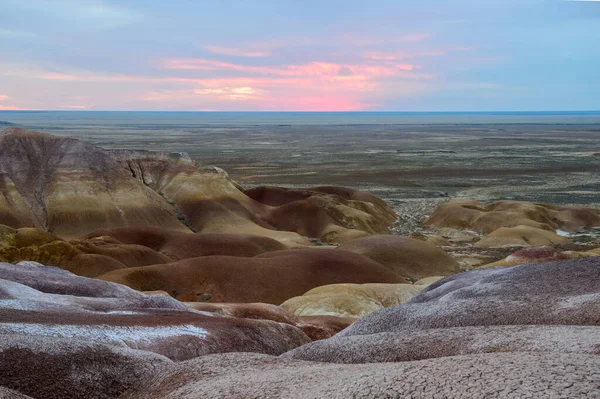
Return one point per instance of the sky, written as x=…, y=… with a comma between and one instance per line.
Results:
x=300, y=55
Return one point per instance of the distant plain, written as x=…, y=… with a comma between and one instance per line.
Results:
x=406, y=158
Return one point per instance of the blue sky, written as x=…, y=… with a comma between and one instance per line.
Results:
x=280, y=55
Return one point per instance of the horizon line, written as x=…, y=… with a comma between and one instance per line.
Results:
x=305, y=112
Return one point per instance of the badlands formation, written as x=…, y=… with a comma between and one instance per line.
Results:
x=133, y=274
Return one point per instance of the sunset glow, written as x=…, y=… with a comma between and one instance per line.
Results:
x=411, y=58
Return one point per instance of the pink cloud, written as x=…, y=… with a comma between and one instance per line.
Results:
x=313, y=68
x=236, y=52
x=95, y=78
x=332, y=83
x=329, y=83
x=3, y=97
x=232, y=93
x=248, y=82
x=287, y=98
x=309, y=69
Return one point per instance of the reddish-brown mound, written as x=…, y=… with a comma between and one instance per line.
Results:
x=409, y=258
x=131, y=255
x=179, y=245
x=272, y=277
x=87, y=265
x=303, y=217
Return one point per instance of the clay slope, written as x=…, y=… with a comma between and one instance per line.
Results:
x=70, y=188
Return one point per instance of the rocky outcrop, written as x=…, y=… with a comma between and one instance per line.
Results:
x=205, y=198
x=69, y=188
